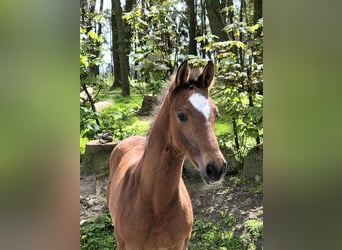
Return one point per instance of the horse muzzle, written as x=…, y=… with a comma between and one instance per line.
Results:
x=212, y=172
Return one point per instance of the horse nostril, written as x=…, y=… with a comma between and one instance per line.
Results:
x=212, y=172
x=210, y=169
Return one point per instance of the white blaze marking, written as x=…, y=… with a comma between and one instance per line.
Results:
x=200, y=103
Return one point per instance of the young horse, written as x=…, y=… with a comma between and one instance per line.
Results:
x=148, y=201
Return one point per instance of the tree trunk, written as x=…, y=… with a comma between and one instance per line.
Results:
x=257, y=11
x=257, y=14
x=215, y=19
x=192, y=27
x=236, y=135
x=83, y=4
x=116, y=61
x=231, y=35
x=96, y=68
x=203, y=26
x=121, y=48
x=100, y=25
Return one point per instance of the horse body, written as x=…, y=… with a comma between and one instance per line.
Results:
x=148, y=201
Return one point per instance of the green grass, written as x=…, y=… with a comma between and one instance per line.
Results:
x=209, y=236
x=255, y=227
x=128, y=106
x=98, y=235
x=205, y=234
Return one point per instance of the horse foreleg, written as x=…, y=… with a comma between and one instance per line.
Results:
x=120, y=242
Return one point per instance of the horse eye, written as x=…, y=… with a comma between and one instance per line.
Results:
x=182, y=117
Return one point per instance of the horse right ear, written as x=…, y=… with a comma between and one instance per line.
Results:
x=183, y=74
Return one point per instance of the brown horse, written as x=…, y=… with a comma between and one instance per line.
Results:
x=148, y=201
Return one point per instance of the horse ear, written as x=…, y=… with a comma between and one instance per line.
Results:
x=183, y=73
x=207, y=75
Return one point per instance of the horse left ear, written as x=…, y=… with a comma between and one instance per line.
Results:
x=183, y=73
x=207, y=75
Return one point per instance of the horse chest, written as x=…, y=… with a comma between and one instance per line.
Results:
x=147, y=230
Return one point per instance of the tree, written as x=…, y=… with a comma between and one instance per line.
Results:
x=87, y=22
x=257, y=14
x=237, y=48
x=120, y=48
x=257, y=11
x=192, y=27
x=159, y=34
x=116, y=61
x=215, y=19
x=90, y=59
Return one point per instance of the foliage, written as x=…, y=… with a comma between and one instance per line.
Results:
x=90, y=43
x=159, y=41
x=90, y=59
x=239, y=82
x=156, y=43
x=98, y=235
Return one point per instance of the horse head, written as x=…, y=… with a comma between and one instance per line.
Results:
x=192, y=118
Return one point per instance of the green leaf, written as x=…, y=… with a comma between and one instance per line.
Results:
x=84, y=61
x=199, y=38
x=92, y=34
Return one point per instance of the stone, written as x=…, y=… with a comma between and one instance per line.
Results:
x=253, y=163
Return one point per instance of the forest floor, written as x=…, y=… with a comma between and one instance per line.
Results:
x=236, y=197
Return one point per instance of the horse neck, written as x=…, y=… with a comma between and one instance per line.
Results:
x=162, y=164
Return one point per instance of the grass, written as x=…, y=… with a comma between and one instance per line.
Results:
x=98, y=235
x=255, y=227
x=205, y=235
x=209, y=236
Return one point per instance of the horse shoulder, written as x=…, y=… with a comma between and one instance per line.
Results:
x=123, y=163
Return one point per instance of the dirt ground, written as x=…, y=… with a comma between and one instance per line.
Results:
x=235, y=196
